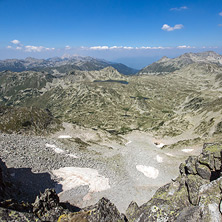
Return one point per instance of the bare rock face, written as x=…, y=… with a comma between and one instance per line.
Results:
x=7, y=189
x=103, y=211
x=194, y=196
x=47, y=206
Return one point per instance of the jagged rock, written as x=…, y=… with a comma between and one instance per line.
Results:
x=190, y=214
x=207, y=159
x=203, y=171
x=220, y=207
x=217, y=163
x=193, y=184
x=213, y=148
x=191, y=197
x=165, y=205
x=17, y=206
x=47, y=206
x=7, y=215
x=131, y=210
x=191, y=165
x=103, y=211
x=210, y=198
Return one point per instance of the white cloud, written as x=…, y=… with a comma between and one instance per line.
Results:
x=127, y=47
x=31, y=48
x=220, y=25
x=179, y=8
x=67, y=47
x=99, y=47
x=116, y=47
x=185, y=47
x=220, y=13
x=145, y=47
x=168, y=28
x=28, y=48
x=123, y=48
x=15, y=41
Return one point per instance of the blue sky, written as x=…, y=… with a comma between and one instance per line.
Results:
x=130, y=31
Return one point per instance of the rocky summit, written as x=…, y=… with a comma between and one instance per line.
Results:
x=82, y=140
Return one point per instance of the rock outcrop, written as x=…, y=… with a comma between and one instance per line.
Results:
x=195, y=195
x=103, y=211
x=35, y=120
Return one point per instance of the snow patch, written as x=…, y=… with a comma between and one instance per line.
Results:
x=72, y=155
x=148, y=171
x=50, y=145
x=128, y=142
x=159, y=145
x=56, y=149
x=64, y=137
x=74, y=176
x=187, y=150
x=159, y=159
x=169, y=154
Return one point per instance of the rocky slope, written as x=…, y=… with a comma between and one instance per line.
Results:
x=195, y=195
x=184, y=105
x=27, y=120
x=166, y=65
x=62, y=65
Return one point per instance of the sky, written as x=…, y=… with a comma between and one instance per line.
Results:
x=135, y=32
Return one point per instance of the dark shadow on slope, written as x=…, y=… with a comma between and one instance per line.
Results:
x=30, y=184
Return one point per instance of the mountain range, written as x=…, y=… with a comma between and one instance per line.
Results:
x=134, y=129
x=186, y=102
x=167, y=65
x=62, y=65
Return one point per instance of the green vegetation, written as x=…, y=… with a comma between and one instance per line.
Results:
x=27, y=120
x=185, y=101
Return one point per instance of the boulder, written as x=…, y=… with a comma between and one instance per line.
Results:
x=207, y=159
x=203, y=171
x=193, y=186
x=190, y=165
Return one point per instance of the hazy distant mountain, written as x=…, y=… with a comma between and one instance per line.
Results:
x=166, y=65
x=62, y=65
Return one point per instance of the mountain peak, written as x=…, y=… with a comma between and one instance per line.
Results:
x=164, y=59
x=166, y=65
x=109, y=69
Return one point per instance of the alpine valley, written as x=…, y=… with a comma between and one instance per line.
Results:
x=98, y=135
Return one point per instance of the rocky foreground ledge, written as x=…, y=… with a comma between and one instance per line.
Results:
x=195, y=195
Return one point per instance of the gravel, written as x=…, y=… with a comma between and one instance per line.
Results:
x=118, y=164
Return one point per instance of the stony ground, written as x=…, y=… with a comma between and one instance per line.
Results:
x=131, y=168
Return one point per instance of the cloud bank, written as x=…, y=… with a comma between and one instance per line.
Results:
x=27, y=48
x=168, y=28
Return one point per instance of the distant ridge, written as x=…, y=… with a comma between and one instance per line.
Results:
x=62, y=65
x=166, y=65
